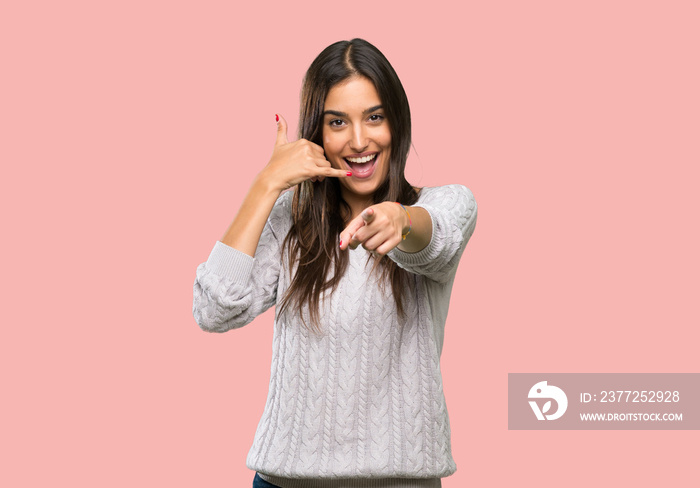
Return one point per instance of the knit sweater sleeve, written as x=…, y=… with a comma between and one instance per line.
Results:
x=232, y=288
x=452, y=210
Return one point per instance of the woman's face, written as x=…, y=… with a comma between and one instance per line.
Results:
x=356, y=137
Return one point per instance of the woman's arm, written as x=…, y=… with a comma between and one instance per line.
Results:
x=442, y=221
x=290, y=164
x=239, y=280
x=453, y=212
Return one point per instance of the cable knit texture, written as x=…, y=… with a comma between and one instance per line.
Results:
x=362, y=399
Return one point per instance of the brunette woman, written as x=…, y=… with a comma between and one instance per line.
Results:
x=360, y=266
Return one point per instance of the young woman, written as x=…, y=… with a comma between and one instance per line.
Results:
x=360, y=266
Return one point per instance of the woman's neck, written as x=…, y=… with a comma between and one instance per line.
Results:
x=357, y=203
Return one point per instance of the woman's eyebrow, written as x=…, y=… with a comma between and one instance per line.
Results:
x=343, y=114
x=372, y=109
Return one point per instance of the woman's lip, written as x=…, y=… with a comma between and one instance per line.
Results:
x=362, y=155
x=357, y=173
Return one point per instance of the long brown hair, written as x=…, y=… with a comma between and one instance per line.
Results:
x=318, y=209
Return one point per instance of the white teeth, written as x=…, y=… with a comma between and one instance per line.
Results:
x=362, y=160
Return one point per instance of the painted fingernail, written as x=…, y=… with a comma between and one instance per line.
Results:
x=349, y=173
x=341, y=243
x=277, y=118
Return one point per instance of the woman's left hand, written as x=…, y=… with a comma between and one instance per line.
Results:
x=378, y=228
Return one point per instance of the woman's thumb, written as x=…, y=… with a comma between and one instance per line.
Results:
x=281, y=130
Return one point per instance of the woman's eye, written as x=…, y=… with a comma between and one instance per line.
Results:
x=376, y=117
x=335, y=123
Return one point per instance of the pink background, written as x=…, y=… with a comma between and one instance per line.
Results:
x=130, y=132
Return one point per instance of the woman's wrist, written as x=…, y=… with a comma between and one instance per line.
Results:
x=421, y=230
x=408, y=224
x=264, y=184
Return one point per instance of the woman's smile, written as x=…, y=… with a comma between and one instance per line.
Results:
x=362, y=165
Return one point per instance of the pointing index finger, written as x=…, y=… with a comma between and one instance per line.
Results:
x=355, y=224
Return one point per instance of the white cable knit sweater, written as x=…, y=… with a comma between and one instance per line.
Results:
x=363, y=399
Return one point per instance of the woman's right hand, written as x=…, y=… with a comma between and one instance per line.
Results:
x=294, y=162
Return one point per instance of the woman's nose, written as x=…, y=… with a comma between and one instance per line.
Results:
x=358, y=142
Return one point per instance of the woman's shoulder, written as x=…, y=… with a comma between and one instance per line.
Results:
x=284, y=202
x=447, y=195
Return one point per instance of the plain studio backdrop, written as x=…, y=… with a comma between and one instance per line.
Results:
x=130, y=132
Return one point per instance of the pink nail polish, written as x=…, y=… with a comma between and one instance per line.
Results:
x=349, y=173
x=277, y=118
